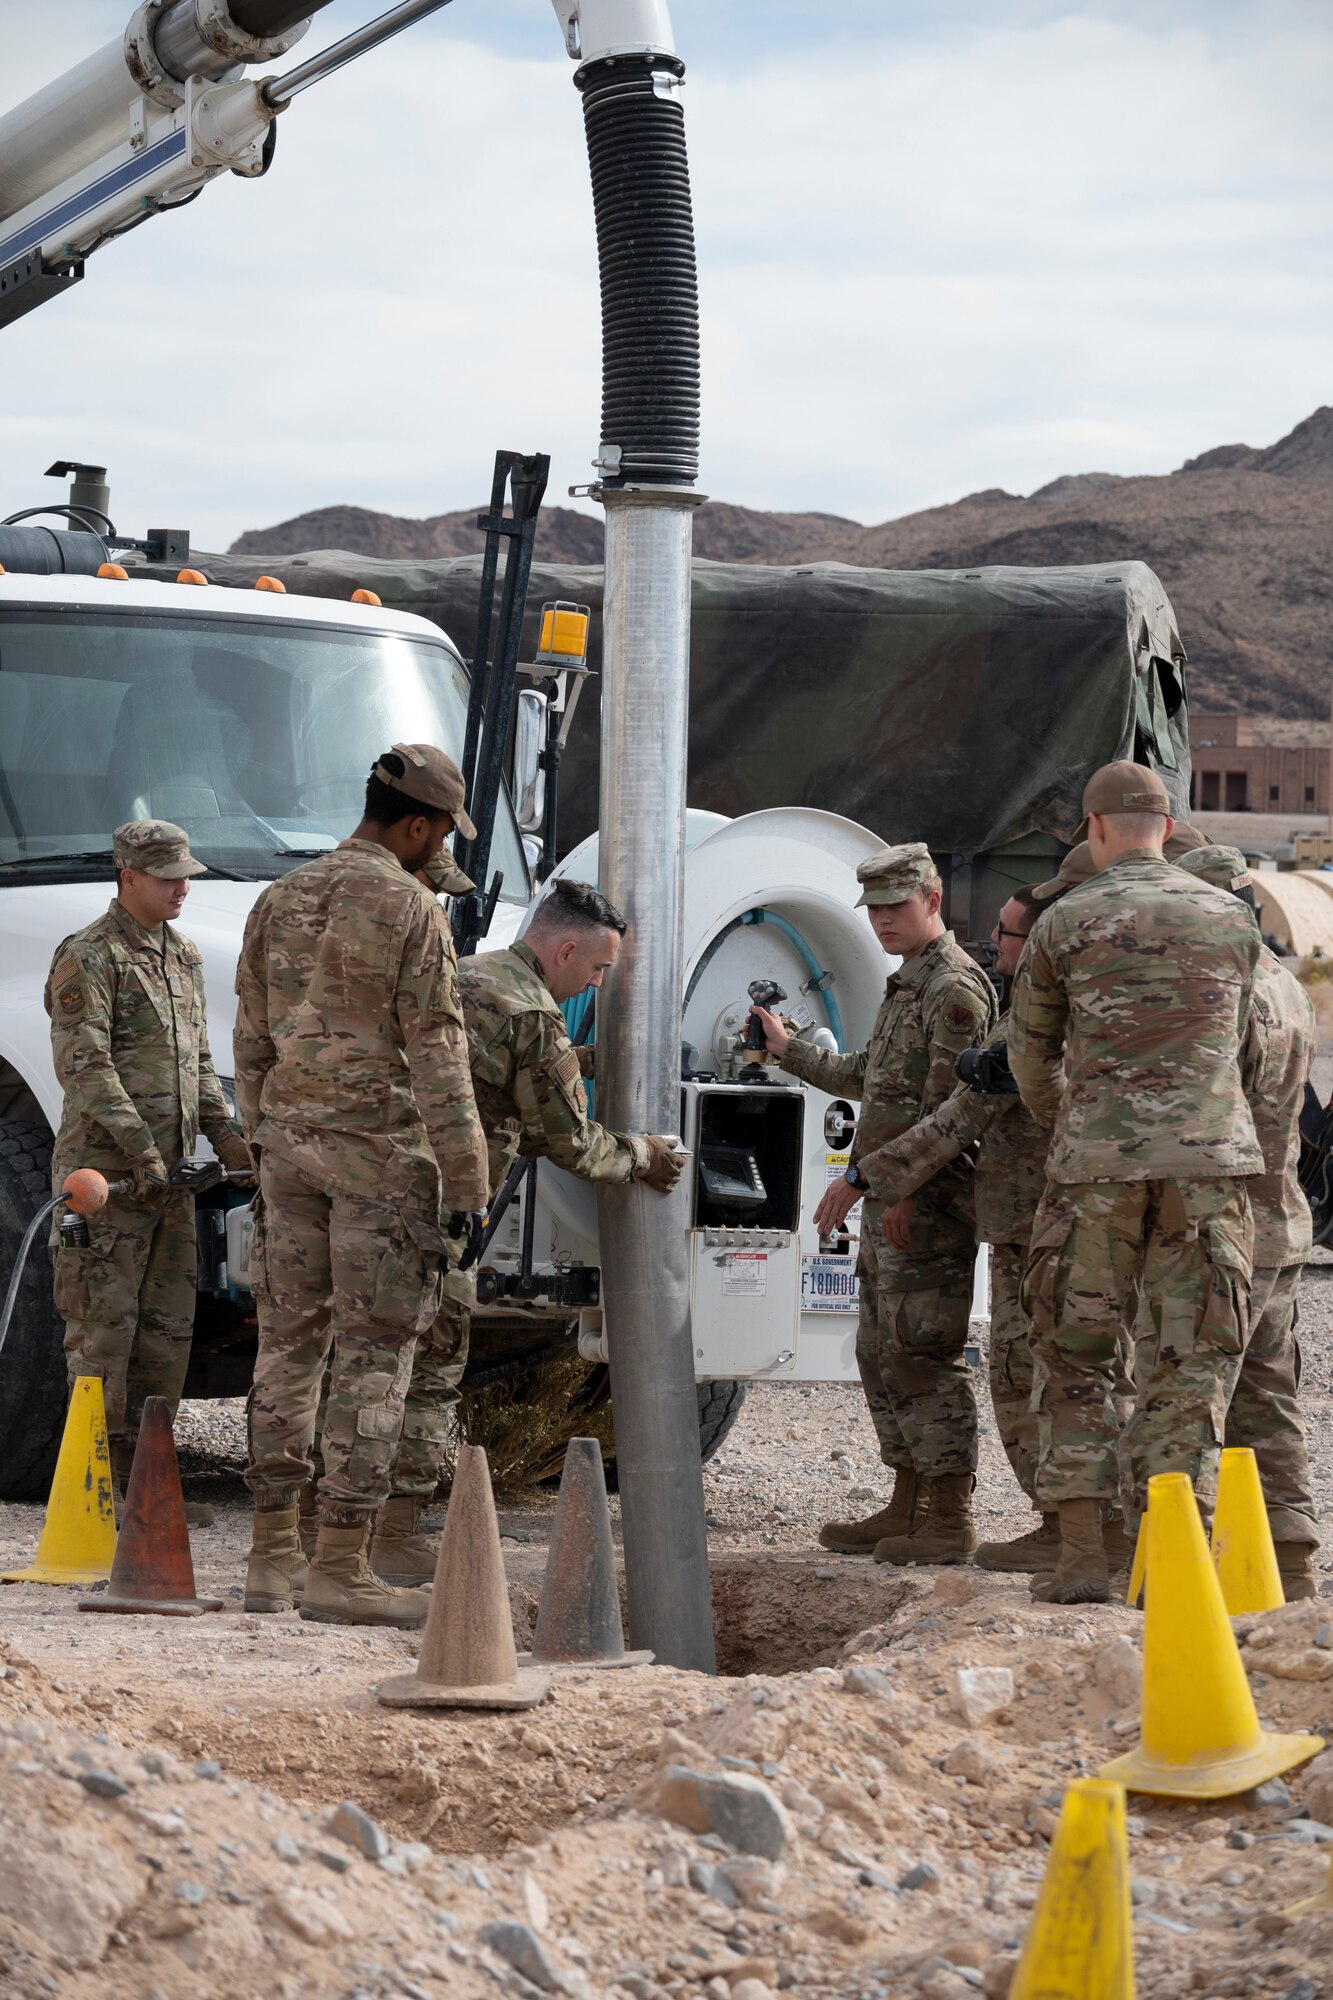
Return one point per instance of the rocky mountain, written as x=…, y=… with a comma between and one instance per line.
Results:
x=1241, y=536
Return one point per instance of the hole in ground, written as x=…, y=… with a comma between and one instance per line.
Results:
x=782, y=1613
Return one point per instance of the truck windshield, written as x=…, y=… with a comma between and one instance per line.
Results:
x=254, y=735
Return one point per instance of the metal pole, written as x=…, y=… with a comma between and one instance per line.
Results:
x=282, y=89
x=645, y=1266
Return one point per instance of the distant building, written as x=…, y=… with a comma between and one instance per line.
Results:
x=1258, y=763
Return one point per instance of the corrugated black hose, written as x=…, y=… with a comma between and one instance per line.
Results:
x=645, y=252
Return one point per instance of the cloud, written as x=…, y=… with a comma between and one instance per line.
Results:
x=1026, y=242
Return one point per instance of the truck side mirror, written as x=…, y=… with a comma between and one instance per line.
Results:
x=529, y=743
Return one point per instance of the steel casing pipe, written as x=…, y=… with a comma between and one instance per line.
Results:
x=645, y=1270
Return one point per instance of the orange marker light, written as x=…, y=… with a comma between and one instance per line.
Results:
x=191, y=576
x=115, y=571
x=364, y=597
x=271, y=583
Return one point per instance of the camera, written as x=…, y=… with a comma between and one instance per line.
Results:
x=987, y=1070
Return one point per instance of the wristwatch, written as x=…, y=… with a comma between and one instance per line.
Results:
x=854, y=1177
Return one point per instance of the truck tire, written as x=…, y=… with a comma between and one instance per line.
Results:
x=719, y=1407
x=33, y=1388
x=548, y=1396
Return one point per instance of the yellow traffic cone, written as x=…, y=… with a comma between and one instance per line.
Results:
x=1199, y=1735
x=1079, y=1945
x=1242, y=1539
x=1136, y=1568
x=78, y=1539
x=1309, y=1904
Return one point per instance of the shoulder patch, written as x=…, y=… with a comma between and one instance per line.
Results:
x=959, y=1015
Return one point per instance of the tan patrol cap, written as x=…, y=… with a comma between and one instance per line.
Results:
x=445, y=876
x=1077, y=866
x=1184, y=839
x=1123, y=787
x=895, y=873
x=1224, y=867
x=155, y=847
x=429, y=776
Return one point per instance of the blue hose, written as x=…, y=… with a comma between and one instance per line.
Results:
x=821, y=980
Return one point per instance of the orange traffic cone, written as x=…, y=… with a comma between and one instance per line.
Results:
x=468, y=1658
x=153, y=1570
x=1199, y=1736
x=578, y=1620
x=78, y=1538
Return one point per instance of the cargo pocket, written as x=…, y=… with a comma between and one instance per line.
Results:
x=79, y=1276
x=1224, y=1321
x=1042, y=1289
x=408, y=1285
x=383, y=1394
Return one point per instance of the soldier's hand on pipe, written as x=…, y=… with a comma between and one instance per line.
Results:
x=898, y=1222
x=151, y=1178
x=666, y=1162
x=469, y=1223
x=836, y=1204
x=235, y=1157
x=776, y=1037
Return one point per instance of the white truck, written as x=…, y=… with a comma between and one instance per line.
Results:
x=251, y=718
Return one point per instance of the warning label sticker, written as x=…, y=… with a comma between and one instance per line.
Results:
x=828, y=1285
x=745, y=1274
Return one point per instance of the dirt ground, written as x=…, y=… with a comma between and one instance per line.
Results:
x=166, y=1785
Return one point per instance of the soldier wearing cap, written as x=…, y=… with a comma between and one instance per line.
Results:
x=1128, y=1016
x=916, y=1271
x=130, y=1044
x=530, y=1096
x=1078, y=865
x=352, y=1083
x=986, y=1112
x=1265, y=1410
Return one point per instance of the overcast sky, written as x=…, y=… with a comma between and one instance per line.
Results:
x=943, y=247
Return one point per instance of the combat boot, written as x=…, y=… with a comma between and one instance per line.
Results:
x=858, y=1538
x=275, y=1575
x=308, y=1522
x=1119, y=1548
x=1295, y=1565
x=1035, y=1553
x=942, y=1530
x=399, y=1553
x=342, y=1589
x=1081, y=1575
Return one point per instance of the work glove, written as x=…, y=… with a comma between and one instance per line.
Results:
x=469, y=1223
x=150, y=1176
x=235, y=1156
x=665, y=1163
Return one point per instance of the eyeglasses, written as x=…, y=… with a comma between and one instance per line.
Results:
x=1001, y=932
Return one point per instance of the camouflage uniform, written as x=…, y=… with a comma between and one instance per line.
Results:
x=352, y=1082
x=526, y=1076
x=1265, y=1411
x=914, y=1305
x=1128, y=1011
x=130, y=1047
x=1010, y=1174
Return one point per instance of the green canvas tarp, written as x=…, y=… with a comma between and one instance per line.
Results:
x=962, y=708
